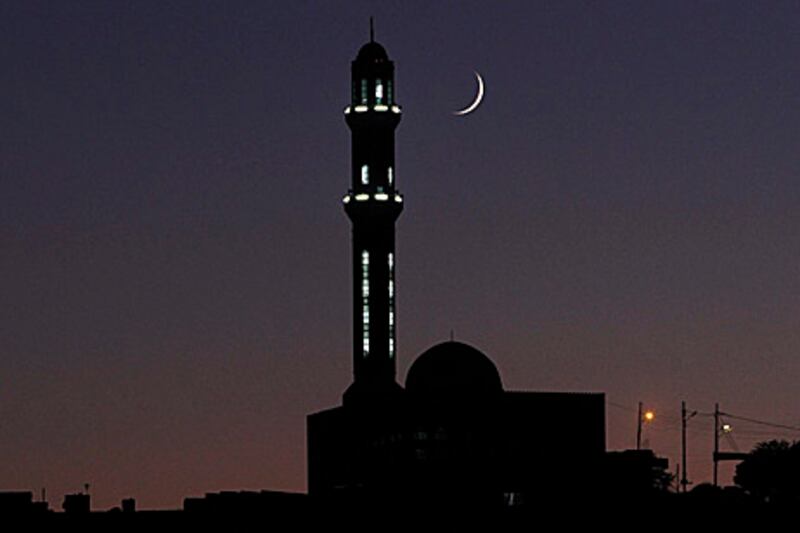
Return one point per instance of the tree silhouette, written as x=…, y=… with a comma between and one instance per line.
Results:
x=771, y=473
x=638, y=472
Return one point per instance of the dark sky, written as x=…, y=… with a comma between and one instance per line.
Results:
x=620, y=215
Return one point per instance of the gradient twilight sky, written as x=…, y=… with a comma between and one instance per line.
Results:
x=622, y=214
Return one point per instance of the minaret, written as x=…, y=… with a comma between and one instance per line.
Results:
x=373, y=205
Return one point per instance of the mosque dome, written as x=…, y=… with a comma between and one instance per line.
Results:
x=453, y=369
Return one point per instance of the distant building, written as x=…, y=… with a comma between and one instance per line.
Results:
x=77, y=504
x=453, y=435
x=20, y=503
x=129, y=505
x=238, y=503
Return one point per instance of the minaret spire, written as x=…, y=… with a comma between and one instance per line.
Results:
x=371, y=30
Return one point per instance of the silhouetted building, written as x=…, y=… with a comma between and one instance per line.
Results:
x=129, y=505
x=453, y=434
x=77, y=503
x=16, y=502
x=20, y=503
x=265, y=502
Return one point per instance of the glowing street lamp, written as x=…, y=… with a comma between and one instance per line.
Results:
x=647, y=416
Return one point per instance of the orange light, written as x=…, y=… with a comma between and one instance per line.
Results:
x=649, y=416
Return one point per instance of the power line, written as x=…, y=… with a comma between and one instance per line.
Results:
x=708, y=415
x=621, y=406
x=761, y=422
x=661, y=415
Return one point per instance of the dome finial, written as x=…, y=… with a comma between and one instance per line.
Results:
x=371, y=30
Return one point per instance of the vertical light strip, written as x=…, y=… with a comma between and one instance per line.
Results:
x=390, y=174
x=391, y=305
x=364, y=175
x=365, y=301
x=378, y=91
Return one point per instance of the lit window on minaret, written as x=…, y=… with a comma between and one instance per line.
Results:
x=378, y=91
x=365, y=279
x=364, y=92
x=390, y=174
x=391, y=304
x=365, y=300
x=364, y=175
x=389, y=92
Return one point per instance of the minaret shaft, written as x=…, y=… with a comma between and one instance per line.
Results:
x=373, y=205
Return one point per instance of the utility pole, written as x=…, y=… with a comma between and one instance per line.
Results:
x=716, y=442
x=684, y=480
x=639, y=429
x=685, y=417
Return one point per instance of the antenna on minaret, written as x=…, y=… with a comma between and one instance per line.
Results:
x=371, y=30
x=452, y=335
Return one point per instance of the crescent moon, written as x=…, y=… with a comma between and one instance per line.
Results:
x=470, y=108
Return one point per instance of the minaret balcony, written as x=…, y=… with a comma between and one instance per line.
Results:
x=377, y=108
x=379, y=197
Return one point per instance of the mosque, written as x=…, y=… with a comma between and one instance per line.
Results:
x=452, y=433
